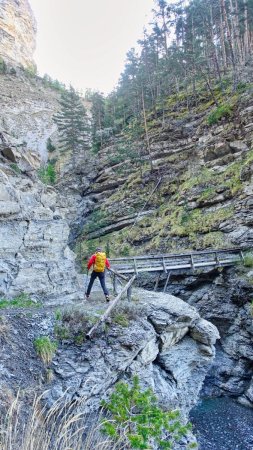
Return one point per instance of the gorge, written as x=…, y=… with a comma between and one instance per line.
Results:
x=183, y=181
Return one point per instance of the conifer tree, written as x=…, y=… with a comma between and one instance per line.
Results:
x=72, y=122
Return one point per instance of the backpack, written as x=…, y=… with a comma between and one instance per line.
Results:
x=99, y=265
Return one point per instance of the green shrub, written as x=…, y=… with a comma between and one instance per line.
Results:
x=136, y=420
x=120, y=319
x=47, y=174
x=21, y=301
x=248, y=260
x=45, y=348
x=222, y=111
x=31, y=71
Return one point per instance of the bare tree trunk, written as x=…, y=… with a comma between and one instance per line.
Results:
x=216, y=61
x=222, y=37
x=246, y=39
x=146, y=128
x=230, y=43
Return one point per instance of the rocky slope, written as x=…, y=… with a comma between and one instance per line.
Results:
x=17, y=33
x=162, y=339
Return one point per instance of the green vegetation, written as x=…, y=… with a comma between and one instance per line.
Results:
x=54, y=84
x=15, y=167
x=31, y=71
x=136, y=420
x=248, y=259
x=73, y=324
x=21, y=301
x=47, y=174
x=120, y=319
x=72, y=122
x=98, y=219
x=218, y=113
x=45, y=348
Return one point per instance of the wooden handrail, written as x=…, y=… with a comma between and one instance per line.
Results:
x=178, y=255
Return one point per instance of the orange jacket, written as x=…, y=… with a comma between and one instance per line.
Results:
x=92, y=261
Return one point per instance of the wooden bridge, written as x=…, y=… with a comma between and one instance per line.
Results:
x=165, y=264
x=162, y=264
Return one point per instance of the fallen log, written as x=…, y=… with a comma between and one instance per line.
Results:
x=109, y=309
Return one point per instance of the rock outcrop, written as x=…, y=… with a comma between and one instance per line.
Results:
x=17, y=33
x=224, y=299
x=34, y=253
x=162, y=344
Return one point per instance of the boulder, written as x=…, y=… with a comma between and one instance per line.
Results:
x=204, y=332
x=238, y=146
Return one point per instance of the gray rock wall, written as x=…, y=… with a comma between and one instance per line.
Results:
x=34, y=253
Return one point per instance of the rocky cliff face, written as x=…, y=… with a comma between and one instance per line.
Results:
x=26, y=110
x=17, y=33
x=35, y=257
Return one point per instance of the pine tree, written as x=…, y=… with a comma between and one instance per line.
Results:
x=72, y=122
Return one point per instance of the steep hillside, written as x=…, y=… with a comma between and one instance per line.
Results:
x=199, y=192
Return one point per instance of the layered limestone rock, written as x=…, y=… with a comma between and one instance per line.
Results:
x=27, y=107
x=17, y=33
x=205, y=194
x=34, y=255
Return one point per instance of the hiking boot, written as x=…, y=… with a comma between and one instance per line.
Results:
x=107, y=298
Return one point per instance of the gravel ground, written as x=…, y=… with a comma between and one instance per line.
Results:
x=223, y=424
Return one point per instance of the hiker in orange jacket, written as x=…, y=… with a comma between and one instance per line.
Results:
x=99, y=263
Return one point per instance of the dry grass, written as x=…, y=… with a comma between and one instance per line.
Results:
x=63, y=427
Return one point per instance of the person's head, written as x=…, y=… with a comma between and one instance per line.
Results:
x=98, y=249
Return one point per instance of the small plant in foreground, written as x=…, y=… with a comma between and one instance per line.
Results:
x=21, y=301
x=45, y=348
x=136, y=418
x=248, y=260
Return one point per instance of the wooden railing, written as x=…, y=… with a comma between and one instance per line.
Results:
x=178, y=261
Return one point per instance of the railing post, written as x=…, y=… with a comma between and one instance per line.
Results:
x=167, y=281
x=192, y=263
x=217, y=259
x=135, y=267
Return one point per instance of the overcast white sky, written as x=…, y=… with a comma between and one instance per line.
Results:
x=84, y=42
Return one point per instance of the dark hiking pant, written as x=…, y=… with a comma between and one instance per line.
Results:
x=101, y=276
